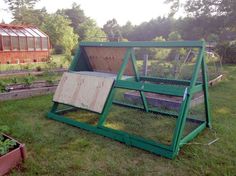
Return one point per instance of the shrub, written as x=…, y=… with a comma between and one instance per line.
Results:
x=227, y=50
x=2, y=86
x=28, y=80
x=14, y=80
x=59, y=49
x=5, y=144
x=38, y=68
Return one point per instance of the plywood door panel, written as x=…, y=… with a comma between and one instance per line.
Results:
x=107, y=59
x=83, y=91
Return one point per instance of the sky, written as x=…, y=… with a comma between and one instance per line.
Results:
x=136, y=11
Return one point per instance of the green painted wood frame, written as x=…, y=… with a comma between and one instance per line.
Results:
x=81, y=63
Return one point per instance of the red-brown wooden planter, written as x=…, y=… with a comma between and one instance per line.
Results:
x=13, y=158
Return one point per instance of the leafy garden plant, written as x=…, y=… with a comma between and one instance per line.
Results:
x=2, y=86
x=28, y=80
x=5, y=144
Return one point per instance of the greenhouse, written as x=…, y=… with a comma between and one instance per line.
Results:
x=22, y=44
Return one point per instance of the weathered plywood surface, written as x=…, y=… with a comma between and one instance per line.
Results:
x=107, y=59
x=83, y=91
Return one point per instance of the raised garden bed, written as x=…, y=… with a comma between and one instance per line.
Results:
x=27, y=72
x=15, y=156
x=158, y=100
x=19, y=91
x=169, y=102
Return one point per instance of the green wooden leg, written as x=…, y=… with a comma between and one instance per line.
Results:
x=206, y=97
x=54, y=107
x=107, y=108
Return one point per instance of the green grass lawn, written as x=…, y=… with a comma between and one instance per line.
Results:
x=58, y=149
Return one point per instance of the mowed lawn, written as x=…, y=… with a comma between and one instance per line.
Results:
x=54, y=148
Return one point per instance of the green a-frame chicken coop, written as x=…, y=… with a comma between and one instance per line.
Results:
x=100, y=68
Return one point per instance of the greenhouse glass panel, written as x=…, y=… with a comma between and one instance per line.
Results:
x=0, y=43
x=15, y=43
x=10, y=32
x=45, y=43
x=38, y=43
x=26, y=33
x=32, y=32
x=30, y=43
x=18, y=32
x=23, y=45
x=6, y=43
x=3, y=33
x=38, y=32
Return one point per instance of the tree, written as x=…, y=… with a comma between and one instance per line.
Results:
x=19, y=8
x=176, y=54
x=212, y=38
x=32, y=16
x=149, y=30
x=175, y=4
x=76, y=16
x=112, y=29
x=61, y=34
x=127, y=29
x=209, y=8
x=159, y=53
x=174, y=36
x=91, y=32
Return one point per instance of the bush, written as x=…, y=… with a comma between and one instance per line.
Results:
x=38, y=69
x=14, y=80
x=58, y=49
x=5, y=144
x=2, y=86
x=28, y=80
x=227, y=50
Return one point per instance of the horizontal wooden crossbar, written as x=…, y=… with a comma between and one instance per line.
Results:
x=165, y=80
x=167, y=44
x=149, y=87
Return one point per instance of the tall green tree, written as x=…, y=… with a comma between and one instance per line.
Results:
x=61, y=34
x=175, y=35
x=32, y=16
x=208, y=8
x=113, y=31
x=19, y=8
x=77, y=17
x=158, y=53
x=160, y=26
x=91, y=32
x=127, y=29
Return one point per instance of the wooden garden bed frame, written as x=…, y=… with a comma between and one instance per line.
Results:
x=36, y=89
x=12, y=158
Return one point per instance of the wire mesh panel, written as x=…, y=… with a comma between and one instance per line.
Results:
x=79, y=115
x=153, y=126
x=176, y=63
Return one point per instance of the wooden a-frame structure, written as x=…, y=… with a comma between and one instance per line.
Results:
x=119, y=58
